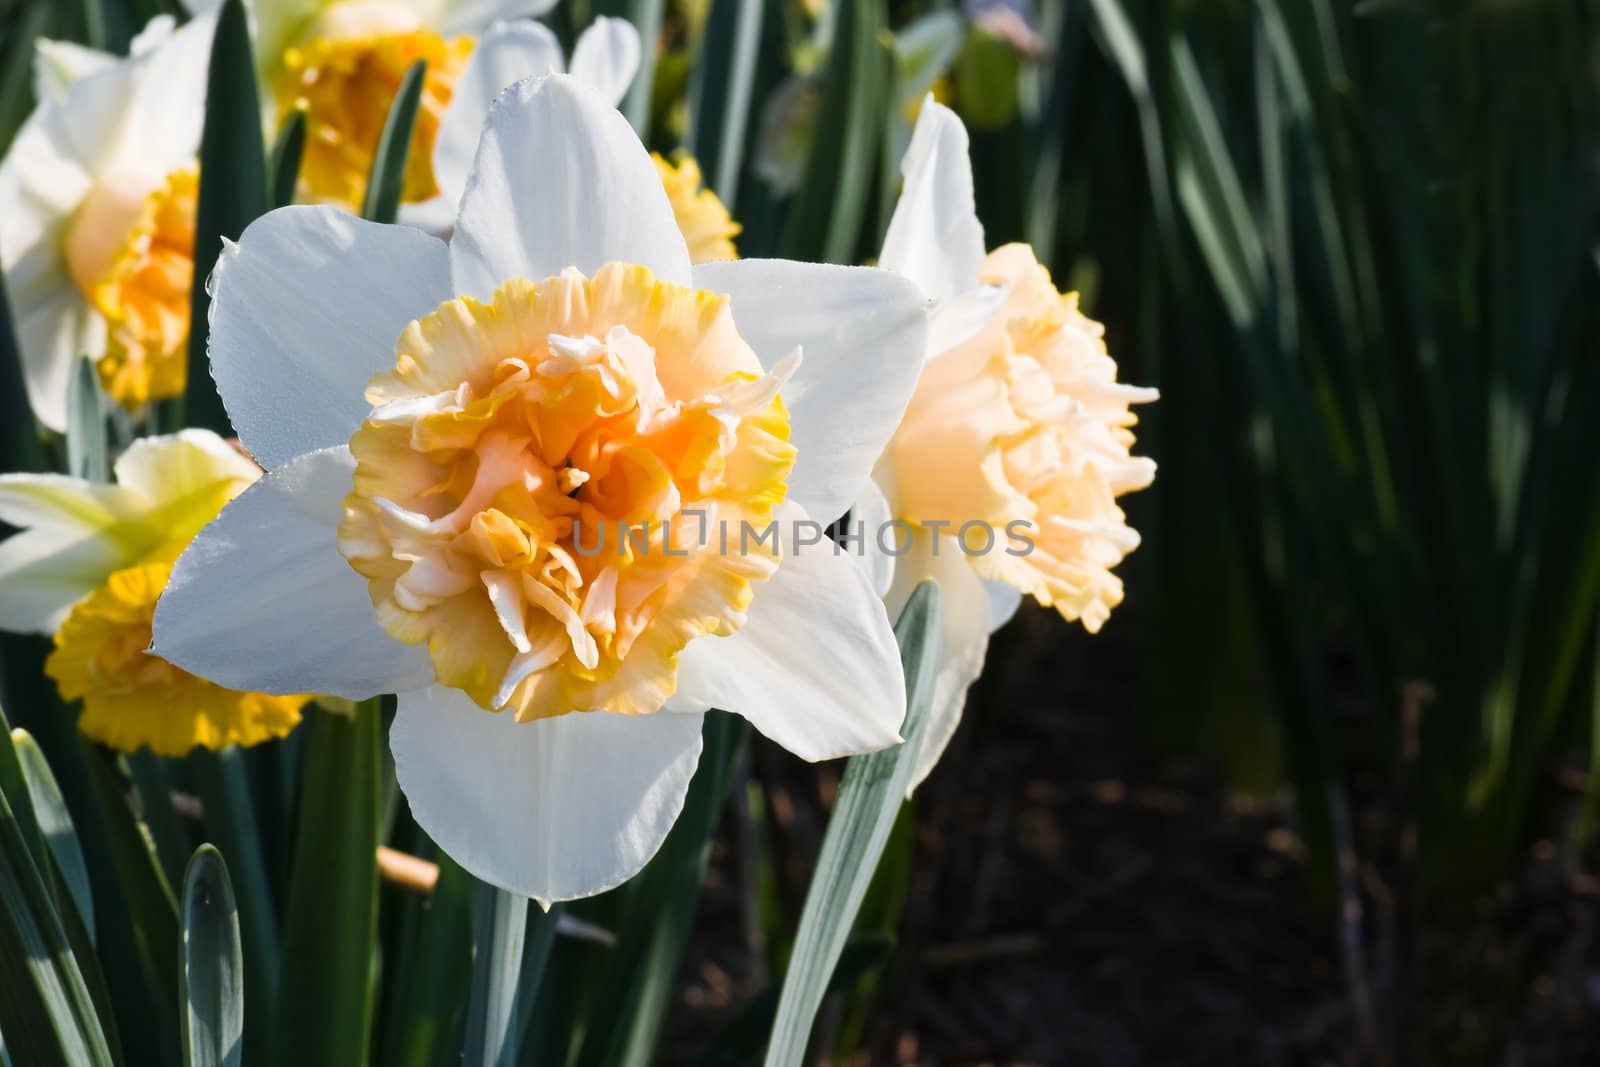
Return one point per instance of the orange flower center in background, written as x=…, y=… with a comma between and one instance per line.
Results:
x=133, y=260
x=345, y=85
x=539, y=493
x=707, y=227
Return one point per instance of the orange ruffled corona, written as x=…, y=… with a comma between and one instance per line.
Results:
x=511, y=440
x=1026, y=420
x=132, y=699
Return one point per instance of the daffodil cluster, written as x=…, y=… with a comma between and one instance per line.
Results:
x=557, y=340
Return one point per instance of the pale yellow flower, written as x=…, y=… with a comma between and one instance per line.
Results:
x=88, y=566
x=1017, y=442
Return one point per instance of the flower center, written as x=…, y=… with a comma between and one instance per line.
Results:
x=133, y=260
x=544, y=491
x=132, y=699
x=1027, y=421
x=346, y=76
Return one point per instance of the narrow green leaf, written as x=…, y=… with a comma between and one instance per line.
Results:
x=870, y=796
x=233, y=191
x=826, y=217
x=19, y=433
x=232, y=824
x=211, y=979
x=330, y=924
x=54, y=823
x=152, y=909
x=46, y=1010
x=284, y=163
x=639, y=982
x=16, y=785
x=740, y=1039
x=508, y=963
x=435, y=965
x=388, y=175
x=720, y=90
x=87, y=457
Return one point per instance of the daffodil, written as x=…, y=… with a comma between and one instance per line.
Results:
x=605, y=58
x=97, y=235
x=88, y=565
x=341, y=61
x=449, y=431
x=1002, y=480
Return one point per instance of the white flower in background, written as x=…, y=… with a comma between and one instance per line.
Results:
x=87, y=566
x=1018, y=416
x=342, y=61
x=605, y=58
x=438, y=422
x=97, y=235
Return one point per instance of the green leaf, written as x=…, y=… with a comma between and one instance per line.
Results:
x=508, y=964
x=19, y=433
x=870, y=795
x=387, y=178
x=232, y=824
x=46, y=1010
x=826, y=217
x=660, y=904
x=54, y=823
x=720, y=91
x=284, y=163
x=741, y=1038
x=152, y=910
x=87, y=457
x=233, y=191
x=211, y=979
x=330, y=924
x=434, y=966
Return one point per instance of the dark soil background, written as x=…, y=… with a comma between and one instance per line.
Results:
x=1080, y=896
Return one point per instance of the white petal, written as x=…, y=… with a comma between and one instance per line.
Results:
x=307, y=307
x=54, y=326
x=57, y=64
x=935, y=237
x=73, y=534
x=160, y=131
x=555, y=809
x=1004, y=600
x=863, y=333
x=168, y=468
x=870, y=515
x=815, y=667
x=962, y=316
x=42, y=575
x=606, y=57
x=471, y=16
x=507, y=53
x=64, y=505
x=262, y=601
x=966, y=636
x=560, y=180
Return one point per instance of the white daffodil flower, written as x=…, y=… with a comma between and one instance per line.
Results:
x=1003, y=476
x=449, y=429
x=342, y=62
x=97, y=235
